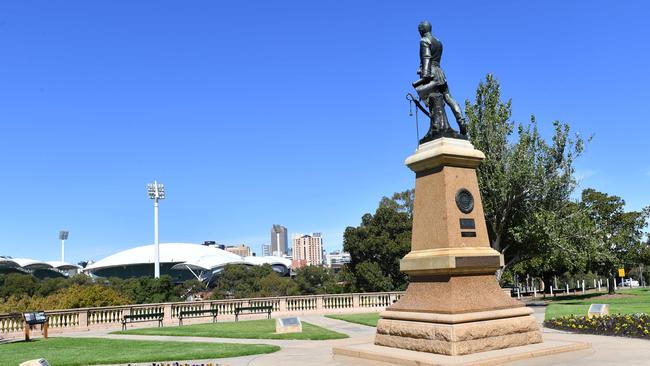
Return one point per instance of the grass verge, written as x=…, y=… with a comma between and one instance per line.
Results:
x=369, y=319
x=624, y=302
x=97, y=351
x=251, y=329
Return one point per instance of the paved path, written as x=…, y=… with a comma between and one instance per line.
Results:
x=293, y=352
x=606, y=351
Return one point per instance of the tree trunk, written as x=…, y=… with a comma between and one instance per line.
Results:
x=548, y=282
x=612, y=279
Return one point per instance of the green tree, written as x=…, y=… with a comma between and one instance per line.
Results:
x=619, y=234
x=17, y=284
x=77, y=296
x=523, y=179
x=144, y=290
x=313, y=280
x=241, y=281
x=565, y=244
x=377, y=245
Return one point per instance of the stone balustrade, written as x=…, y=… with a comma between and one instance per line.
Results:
x=74, y=320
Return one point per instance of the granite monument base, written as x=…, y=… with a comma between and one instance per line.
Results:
x=380, y=355
x=456, y=339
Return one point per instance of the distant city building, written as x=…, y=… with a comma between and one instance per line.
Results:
x=241, y=250
x=266, y=250
x=337, y=259
x=308, y=248
x=298, y=263
x=279, y=240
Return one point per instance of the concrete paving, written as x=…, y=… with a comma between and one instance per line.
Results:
x=606, y=351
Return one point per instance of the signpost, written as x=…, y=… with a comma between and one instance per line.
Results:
x=34, y=318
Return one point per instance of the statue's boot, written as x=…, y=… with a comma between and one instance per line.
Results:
x=462, y=126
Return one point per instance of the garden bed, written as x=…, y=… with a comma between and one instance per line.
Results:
x=622, y=325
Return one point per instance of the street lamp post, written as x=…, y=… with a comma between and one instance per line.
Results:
x=63, y=236
x=156, y=192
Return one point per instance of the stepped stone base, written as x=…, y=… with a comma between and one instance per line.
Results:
x=380, y=355
x=458, y=339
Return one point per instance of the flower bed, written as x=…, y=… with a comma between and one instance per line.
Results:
x=624, y=325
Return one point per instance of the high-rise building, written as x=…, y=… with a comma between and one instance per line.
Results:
x=308, y=248
x=266, y=250
x=242, y=250
x=279, y=240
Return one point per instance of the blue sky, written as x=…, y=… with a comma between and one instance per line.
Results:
x=255, y=113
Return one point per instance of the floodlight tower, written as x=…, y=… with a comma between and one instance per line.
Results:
x=156, y=192
x=63, y=236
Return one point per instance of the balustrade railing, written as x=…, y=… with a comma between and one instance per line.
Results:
x=111, y=316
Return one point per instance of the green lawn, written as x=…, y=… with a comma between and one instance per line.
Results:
x=369, y=319
x=638, y=302
x=253, y=329
x=95, y=351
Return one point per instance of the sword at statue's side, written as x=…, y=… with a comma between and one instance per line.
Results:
x=415, y=100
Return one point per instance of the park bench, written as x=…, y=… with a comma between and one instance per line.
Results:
x=253, y=310
x=135, y=318
x=197, y=314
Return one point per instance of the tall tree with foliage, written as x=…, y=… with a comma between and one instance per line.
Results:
x=619, y=234
x=524, y=179
x=241, y=281
x=377, y=245
x=565, y=244
x=315, y=280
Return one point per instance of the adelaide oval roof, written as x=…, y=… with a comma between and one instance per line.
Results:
x=169, y=253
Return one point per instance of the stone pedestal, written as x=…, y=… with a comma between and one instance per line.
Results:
x=453, y=304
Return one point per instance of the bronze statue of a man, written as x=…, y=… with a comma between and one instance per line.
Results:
x=432, y=87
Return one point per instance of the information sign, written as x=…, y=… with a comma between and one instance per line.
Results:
x=37, y=317
x=290, y=324
x=597, y=310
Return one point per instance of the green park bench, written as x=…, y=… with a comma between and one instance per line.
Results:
x=134, y=318
x=184, y=314
x=253, y=310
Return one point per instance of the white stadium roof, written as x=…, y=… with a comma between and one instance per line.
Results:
x=206, y=263
x=256, y=261
x=27, y=264
x=169, y=253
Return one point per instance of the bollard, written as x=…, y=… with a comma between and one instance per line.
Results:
x=615, y=286
x=518, y=293
x=566, y=285
x=534, y=292
x=583, y=286
x=594, y=283
x=552, y=290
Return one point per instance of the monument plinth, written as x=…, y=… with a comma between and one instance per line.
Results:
x=453, y=304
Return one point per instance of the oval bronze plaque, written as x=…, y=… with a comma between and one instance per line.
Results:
x=464, y=201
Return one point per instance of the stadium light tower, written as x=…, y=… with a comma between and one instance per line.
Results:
x=63, y=236
x=156, y=192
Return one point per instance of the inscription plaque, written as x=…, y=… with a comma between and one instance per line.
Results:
x=290, y=324
x=467, y=224
x=468, y=234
